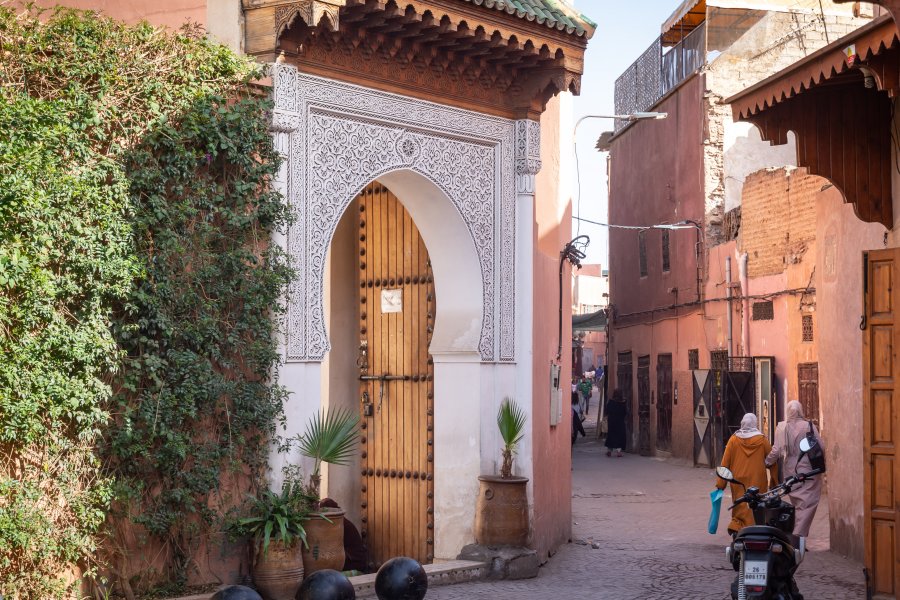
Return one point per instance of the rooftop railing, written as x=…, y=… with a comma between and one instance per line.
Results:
x=658, y=71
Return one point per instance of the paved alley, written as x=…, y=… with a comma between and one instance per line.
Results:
x=648, y=518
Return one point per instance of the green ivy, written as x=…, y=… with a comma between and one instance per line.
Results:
x=139, y=295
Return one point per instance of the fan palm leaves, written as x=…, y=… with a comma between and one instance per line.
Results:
x=330, y=437
x=511, y=422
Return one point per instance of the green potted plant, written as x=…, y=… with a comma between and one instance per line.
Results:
x=501, y=516
x=330, y=437
x=276, y=524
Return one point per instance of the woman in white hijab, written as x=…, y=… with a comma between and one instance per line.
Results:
x=745, y=454
x=804, y=497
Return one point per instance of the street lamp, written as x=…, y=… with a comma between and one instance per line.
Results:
x=607, y=135
x=638, y=116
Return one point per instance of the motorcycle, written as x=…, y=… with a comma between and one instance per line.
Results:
x=767, y=555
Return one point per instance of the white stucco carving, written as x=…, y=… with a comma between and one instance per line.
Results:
x=342, y=137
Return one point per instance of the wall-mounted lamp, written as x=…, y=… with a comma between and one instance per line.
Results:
x=573, y=253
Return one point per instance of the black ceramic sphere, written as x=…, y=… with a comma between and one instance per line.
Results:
x=326, y=585
x=236, y=592
x=401, y=578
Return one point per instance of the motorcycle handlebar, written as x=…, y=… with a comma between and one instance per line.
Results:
x=780, y=490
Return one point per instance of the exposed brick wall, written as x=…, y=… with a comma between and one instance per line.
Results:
x=776, y=41
x=778, y=218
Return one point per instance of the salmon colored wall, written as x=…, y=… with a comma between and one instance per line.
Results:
x=650, y=184
x=164, y=13
x=552, y=484
x=842, y=239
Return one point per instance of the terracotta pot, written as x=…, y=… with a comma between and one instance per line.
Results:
x=501, y=514
x=278, y=573
x=326, y=542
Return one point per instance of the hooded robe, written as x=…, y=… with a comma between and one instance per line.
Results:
x=746, y=457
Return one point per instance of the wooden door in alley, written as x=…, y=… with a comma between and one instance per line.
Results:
x=624, y=377
x=396, y=316
x=881, y=421
x=664, y=402
x=643, y=381
x=808, y=384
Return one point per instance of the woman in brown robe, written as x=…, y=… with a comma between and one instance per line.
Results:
x=745, y=454
x=804, y=497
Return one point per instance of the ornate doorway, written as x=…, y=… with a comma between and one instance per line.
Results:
x=396, y=319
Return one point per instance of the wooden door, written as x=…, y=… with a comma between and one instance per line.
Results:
x=664, y=402
x=808, y=383
x=643, y=380
x=396, y=314
x=881, y=421
x=624, y=377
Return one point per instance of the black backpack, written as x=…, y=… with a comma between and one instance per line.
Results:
x=815, y=454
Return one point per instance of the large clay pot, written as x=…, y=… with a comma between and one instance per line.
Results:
x=326, y=542
x=501, y=514
x=278, y=573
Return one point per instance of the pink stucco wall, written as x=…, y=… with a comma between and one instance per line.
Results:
x=552, y=483
x=842, y=238
x=164, y=13
x=652, y=183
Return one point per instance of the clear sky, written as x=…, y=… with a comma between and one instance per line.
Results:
x=624, y=31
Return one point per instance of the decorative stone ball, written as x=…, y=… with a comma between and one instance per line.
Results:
x=326, y=584
x=236, y=592
x=401, y=578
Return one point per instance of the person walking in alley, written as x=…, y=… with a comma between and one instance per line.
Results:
x=805, y=497
x=745, y=454
x=586, y=388
x=577, y=427
x=615, y=413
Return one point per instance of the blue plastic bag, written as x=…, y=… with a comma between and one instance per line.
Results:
x=715, y=497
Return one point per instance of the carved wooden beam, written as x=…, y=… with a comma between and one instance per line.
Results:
x=853, y=153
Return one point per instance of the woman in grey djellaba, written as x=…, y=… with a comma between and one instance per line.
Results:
x=804, y=497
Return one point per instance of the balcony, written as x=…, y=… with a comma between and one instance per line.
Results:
x=658, y=71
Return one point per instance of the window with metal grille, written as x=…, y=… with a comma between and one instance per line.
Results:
x=763, y=311
x=665, y=250
x=693, y=359
x=807, y=328
x=718, y=360
x=642, y=252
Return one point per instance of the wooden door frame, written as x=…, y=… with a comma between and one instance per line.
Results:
x=888, y=319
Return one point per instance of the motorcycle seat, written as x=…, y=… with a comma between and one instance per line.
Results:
x=765, y=531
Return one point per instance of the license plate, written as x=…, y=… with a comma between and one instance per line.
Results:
x=755, y=572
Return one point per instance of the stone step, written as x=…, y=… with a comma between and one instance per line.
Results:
x=440, y=573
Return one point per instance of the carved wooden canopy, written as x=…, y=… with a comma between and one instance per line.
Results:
x=482, y=55
x=840, y=112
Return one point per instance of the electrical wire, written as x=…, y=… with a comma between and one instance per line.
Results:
x=679, y=225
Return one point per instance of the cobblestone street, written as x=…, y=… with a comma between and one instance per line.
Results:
x=649, y=518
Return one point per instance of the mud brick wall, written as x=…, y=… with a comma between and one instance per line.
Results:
x=778, y=218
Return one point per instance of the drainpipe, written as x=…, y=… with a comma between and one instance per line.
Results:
x=728, y=296
x=745, y=303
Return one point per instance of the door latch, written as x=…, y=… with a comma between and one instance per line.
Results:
x=362, y=361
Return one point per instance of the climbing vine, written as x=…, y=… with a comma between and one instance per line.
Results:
x=139, y=296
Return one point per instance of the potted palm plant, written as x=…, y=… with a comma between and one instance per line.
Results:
x=330, y=437
x=501, y=516
x=276, y=525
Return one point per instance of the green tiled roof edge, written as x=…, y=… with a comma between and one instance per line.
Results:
x=555, y=14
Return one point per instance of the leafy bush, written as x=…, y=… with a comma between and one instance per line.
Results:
x=138, y=293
